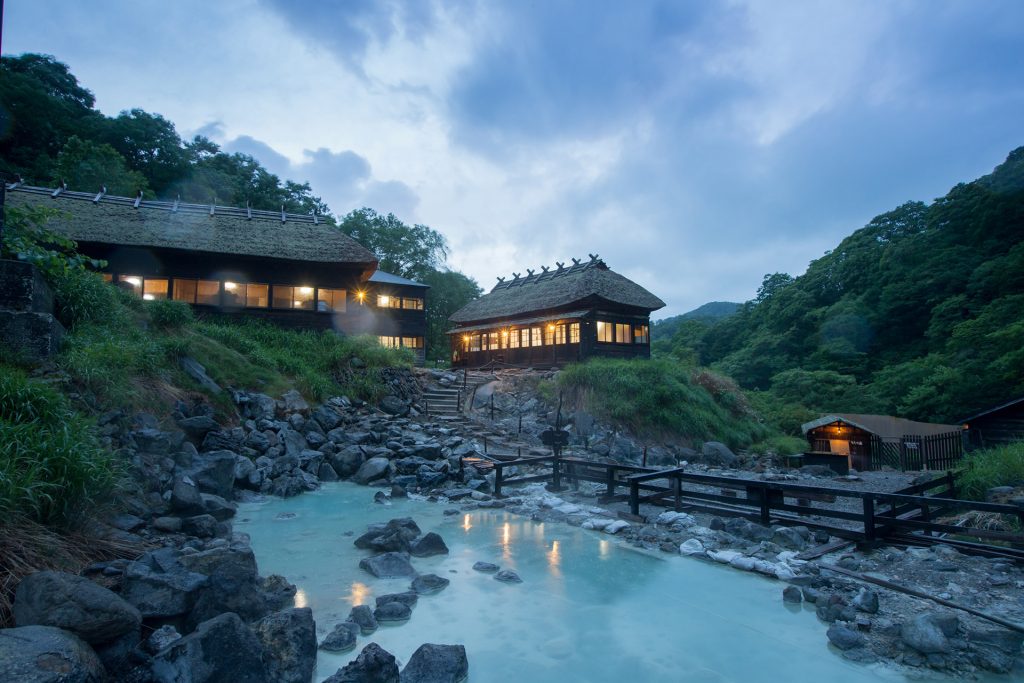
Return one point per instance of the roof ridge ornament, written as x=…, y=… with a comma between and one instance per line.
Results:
x=316, y=221
x=138, y=200
x=99, y=195
x=177, y=200
x=60, y=188
x=283, y=215
x=576, y=261
x=213, y=205
x=248, y=210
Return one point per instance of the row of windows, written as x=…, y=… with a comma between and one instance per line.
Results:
x=401, y=342
x=236, y=294
x=525, y=337
x=409, y=303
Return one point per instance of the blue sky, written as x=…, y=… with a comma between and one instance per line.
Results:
x=695, y=146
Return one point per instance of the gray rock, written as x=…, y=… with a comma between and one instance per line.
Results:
x=185, y=497
x=507, y=576
x=289, y=644
x=221, y=649
x=866, y=601
x=196, y=371
x=845, y=638
x=373, y=665
x=279, y=593
x=218, y=508
x=46, y=654
x=159, y=586
x=75, y=604
x=326, y=472
x=789, y=538
x=398, y=491
x=293, y=402
x=203, y=526
x=392, y=612
x=924, y=634
x=214, y=472
x=394, y=406
x=717, y=453
x=996, y=649
x=429, y=583
x=342, y=637
x=436, y=664
x=427, y=545
x=326, y=417
x=792, y=594
x=198, y=427
x=371, y=470
x=294, y=442
x=347, y=461
x=231, y=584
x=162, y=638
x=170, y=525
x=363, y=615
x=409, y=598
x=487, y=567
x=244, y=467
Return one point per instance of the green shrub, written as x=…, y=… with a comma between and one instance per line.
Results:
x=780, y=444
x=986, y=469
x=167, y=314
x=82, y=297
x=52, y=467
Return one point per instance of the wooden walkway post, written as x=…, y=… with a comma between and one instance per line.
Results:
x=766, y=507
x=498, y=472
x=610, y=473
x=634, y=497
x=677, y=493
x=869, y=518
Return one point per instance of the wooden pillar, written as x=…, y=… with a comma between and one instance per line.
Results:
x=677, y=492
x=497, y=480
x=766, y=507
x=634, y=497
x=869, y=518
x=556, y=474
x=610, y=478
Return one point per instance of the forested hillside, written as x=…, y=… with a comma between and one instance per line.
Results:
x=920, y=313
x=709, y=312
x=53, y=134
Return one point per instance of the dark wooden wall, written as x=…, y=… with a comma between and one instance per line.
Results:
x=997, y=428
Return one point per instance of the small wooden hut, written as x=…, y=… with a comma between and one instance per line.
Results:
x=996, y=426
x=870, y=442
x=556, y=316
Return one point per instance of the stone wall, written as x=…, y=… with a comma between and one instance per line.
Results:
x=28, y=330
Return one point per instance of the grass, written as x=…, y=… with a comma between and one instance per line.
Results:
x=52, y=467
x=986, y=469
x=661, y=399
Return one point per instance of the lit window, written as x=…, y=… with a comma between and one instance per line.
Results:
x=605, y=332
x=412, y=303
x=559, y=334
x=208, y=292
x=513, y=339
x=390, y=342
x=474, y=342
x=622, y=333
x=641, y=334
x=107, y=277
x=536, y=336
x=238, y=294
x=185, y=290
x=133, y=281
x=287, y=296
x=331, y=300
x=388, y=301
x=412, y=342
x=574, y=333
x=493, y=343
x=154, y=288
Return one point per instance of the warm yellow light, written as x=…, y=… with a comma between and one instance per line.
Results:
x=360, y=295
x=603, y=548
x=300, y=598
x=305, y=290
x=133, y=281
x=506, y=534
x=465, y=337
x=359, y=593
x=465, y=523
x=230, y=286
x=298, y=304
x=551, y=328
x=385, y=300
x=147, y=297
x=504, y=333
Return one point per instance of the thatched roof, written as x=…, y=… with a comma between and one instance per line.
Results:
x=884, y=426
x=104, y=219
x=384, y=278
x=580, y=285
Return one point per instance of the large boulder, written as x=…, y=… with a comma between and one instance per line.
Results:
x=929, y=633
x=75, y=604
x=185, y=497
x=363, y=616
x=845, y=638
x=391, y=612
x=214, y=472
x=346, y=462
x=289, y=644
x=436, y=664
x=159, y=586
x=231, y=585
x=392, y=405
x=342, y=637
x=327, y=418
x=429, y=583
x=394, y=536
x=46, y=654
x=221, y=649
x=388, y=565
x=371, y=470
x=373, y=665
x=427, y=545
x=717, y=453
x=292, y=402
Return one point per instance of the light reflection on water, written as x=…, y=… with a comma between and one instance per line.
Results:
x=589, y=609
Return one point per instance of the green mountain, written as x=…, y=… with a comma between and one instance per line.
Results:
x=709, y=312
x=920, y=313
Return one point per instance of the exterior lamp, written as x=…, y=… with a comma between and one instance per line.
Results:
x=230, y=286
x=385, y=300
x=305, y=290
x=361, y=296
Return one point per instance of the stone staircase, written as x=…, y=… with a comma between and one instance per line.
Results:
x=441, y=403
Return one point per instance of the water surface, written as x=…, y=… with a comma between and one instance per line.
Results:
x=589, y=609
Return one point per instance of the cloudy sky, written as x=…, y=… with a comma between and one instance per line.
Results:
x=695, y=146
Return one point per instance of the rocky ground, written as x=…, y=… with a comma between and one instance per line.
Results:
x=193, y=606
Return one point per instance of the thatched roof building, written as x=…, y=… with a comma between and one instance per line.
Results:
x=558, y=315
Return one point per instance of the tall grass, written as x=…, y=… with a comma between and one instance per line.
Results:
x=986, y=469
x=52, y=467
x=661, y=399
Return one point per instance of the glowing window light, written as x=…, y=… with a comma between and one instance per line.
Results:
x=148, y=297
x=133, y=281
x=384, y=300
x=305, y=290
x=230, y=286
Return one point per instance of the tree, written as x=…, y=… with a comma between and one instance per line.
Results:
x=150, y=145
x=449, y=291
x=412, y=251
x=88, y=166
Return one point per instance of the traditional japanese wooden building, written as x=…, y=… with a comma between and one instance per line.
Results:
x=996, y=426
x=293, y=270
x=559, y=315
x=870, y=442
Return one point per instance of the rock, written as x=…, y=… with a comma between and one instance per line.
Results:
x=162, y=638
x=790, y=538
x=198, y=427
x=392, y=612
x=214, y=472
x=75, y=604
x=393, y=405
x=185, y=497
x=46, y=654
x=409, y=598
x=866, y=601
x=220, y=649
x=717, y=453
x=279, y=593
x=171, y=525
x=427, y=545
x=373, y=665
x=326, y=472
x=398, y=491
x=507, y=576
x=381, y=498
x=792, y=594
x=371, y=470
x=347, y=461
x=326, y=417
x=218, y=508
x=159, y=586
x=691, y=546
x=231, y=584
x=996, y=649
x=289, y=644
x=923, y=633
x=203, y=526
x=436, y=664
x=196, y=371
x=616, y=526
x=293, y=402
x=845, y=638
x=486, y=567
x=342, y=637
x=429, y=583
x=363, y=616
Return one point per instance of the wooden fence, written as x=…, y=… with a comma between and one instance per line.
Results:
x=936, y=452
